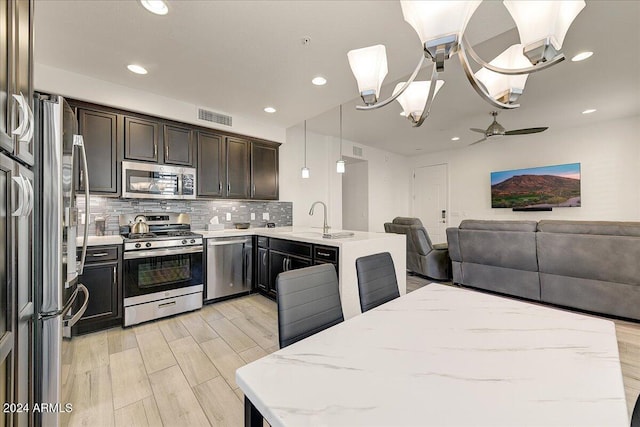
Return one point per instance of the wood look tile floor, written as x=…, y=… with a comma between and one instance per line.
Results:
x=181, y=371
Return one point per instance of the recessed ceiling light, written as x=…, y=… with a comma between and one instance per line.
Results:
x=269, y=110
x=582, y=56
x=136, y=69
x=158, y=7
x=455, y=138
x=589, y=111
x=319, y=81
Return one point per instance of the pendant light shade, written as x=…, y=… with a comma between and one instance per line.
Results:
x=340, y=167
x=434, y=19
x=305, y=170
x=369, y=67
x=539, y=20
x=498, y=85
x=415, y=96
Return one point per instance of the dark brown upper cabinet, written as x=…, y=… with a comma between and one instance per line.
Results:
x=211, y=165
x=264, y=171
x=141, y=139
x=238, y=174
x=101, y=140
x=178, y=145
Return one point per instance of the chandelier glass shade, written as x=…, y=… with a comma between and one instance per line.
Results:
x=440, y=25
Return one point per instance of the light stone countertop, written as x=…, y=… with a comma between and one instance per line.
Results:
x=446, y=356
x=308, y=235
x=100, y=240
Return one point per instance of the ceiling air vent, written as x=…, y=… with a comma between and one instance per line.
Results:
x=357, y=151
x=210, y=116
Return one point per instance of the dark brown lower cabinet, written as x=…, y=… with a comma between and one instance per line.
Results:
x=103, y=278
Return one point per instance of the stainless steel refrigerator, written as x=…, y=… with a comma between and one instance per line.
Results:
x=61, y=151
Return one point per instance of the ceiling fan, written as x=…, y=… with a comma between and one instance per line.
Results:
x=496, y=129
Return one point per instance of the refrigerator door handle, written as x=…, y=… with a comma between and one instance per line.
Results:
x=51, y=314
x=23, y=196
x=23, y=116
x=78, y=141
x=26, y=137
x=69, y=322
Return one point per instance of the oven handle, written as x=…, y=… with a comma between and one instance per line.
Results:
x=162, y=252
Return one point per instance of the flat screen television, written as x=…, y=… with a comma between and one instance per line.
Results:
x=537, y=188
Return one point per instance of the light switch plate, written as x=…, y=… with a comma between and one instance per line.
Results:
x=228, y=216
x=253, y=216
x=265, y=216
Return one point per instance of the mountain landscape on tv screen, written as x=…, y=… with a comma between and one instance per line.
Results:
x=536, y=191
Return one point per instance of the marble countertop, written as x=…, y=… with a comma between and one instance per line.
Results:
x=446, y=356
x=308, y=235
x=100, y=240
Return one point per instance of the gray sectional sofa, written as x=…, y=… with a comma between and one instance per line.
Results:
x=587, y=265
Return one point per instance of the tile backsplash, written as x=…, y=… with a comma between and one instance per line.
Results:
x=201, y=211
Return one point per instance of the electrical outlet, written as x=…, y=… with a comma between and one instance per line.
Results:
x=253, y=216
x=228, y=216
x=265, y=216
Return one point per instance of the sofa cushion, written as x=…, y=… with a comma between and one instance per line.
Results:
x=609, y=228
x=599, y=257
x=476, y=224
x=508, y=249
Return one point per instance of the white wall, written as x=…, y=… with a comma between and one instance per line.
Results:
x=355, y=196
x=66, y=83
x=389, y=180
x=609, y=157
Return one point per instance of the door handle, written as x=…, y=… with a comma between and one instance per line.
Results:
x=155, y=149
x=264, y=259
x=284, y=264
x=444, y=216
x=115, y=275
x=288, y=264
x=220, y=187
x=23, y=196
x=167, y=304
x=166, y=152
x=23, y=116
x=228, y=188
x=74, y=319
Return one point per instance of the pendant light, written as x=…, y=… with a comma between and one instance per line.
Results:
x=340, y=167
x=305, y=169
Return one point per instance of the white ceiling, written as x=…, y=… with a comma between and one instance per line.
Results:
x=237, y=57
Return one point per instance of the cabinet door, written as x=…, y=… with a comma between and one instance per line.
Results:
x=264, y=171
x=141, y=139
x=211, y=172
x=100, y=132
x=295, y=263
x=277, y=264
x=263, y=269
x=6, y=74
x=237, y=168
x=23, y=56
x=178, y=145
x=101, y=279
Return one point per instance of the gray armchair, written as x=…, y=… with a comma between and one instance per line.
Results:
x=423, y=257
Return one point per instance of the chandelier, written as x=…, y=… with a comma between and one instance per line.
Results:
x=542, y=26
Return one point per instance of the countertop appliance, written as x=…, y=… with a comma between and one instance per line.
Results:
x=151, y=181
x=229, y=261
x=162, y=268
x=61, y=153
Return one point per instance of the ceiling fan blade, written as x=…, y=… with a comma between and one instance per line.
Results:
x=478, y=130
x=480, y=140
x=525, y=131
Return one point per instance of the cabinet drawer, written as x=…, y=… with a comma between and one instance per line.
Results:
x=325, y=253
x=99, y=254
x=263, y=242
x=291, y=247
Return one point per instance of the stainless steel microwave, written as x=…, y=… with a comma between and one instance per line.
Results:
x=151, y=181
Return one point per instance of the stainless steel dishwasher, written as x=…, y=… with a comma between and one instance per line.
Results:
x=229, y=266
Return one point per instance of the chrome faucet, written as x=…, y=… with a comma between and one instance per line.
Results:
x=325, y=227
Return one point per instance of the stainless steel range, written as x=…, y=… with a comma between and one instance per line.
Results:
x=162, y=266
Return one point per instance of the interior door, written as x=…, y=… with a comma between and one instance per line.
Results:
x=430, y=200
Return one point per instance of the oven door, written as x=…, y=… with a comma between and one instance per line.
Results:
x=161, y=270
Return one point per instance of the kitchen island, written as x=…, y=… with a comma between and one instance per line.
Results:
x=349, y=249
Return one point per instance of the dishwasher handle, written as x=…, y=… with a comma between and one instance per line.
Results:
x=215, y=242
